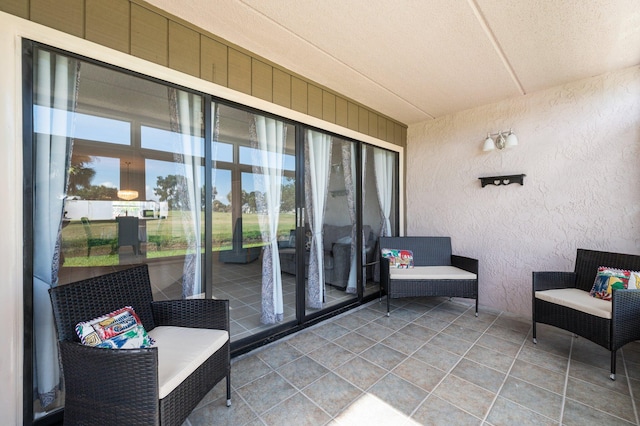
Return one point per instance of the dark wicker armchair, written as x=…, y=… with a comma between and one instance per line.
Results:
x=121, y=386
x=429, y=251
x=611, y=333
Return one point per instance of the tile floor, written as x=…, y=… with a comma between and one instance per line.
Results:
x=431, y=362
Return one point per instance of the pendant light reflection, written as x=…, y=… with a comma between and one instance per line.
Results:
x=127, y=194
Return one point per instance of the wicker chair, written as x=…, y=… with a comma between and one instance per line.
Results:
x=611, y=333
x=123, y=386
x=429, y=251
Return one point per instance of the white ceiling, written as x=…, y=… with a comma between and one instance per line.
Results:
x=415, y=60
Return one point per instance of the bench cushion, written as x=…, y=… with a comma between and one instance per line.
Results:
x=181, y=351
x=577, y=299
x=431, y=273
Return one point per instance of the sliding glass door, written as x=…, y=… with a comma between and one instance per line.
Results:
x=330, y=222
x=254, y=260
x=219, y=200
x=118, y=166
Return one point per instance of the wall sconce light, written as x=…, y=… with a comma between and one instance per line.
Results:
x=502, y=140
x=128, y=194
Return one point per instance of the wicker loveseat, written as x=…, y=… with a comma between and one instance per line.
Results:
x=436, y=271
x=562, y=299
x=161, y=384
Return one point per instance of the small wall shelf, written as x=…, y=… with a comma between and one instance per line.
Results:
x=502, y=180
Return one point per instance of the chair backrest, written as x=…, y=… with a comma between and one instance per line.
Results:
x=93, y=297
x=427, y=251
x=588, y=261
x=128, y=230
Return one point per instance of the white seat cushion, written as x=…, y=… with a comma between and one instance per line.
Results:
x=579, y=300
x=431, y=273
x=181, y=351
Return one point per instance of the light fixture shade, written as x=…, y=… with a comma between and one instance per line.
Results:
x=127, y=194
x=512, y=140
x=489, y=144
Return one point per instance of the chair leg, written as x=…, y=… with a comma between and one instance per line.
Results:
x=612, y=376
x=388, y=303
x=229, y=389
x=534, y=333
x=476, y=305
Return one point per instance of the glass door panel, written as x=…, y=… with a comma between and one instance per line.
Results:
x=255, y=174
x=96, y=172
x=330, y=259
x=379, y=207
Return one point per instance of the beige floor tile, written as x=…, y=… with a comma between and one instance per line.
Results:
x=435, y=411
x=298, y=410
x=332, y=393
x=266, y=392
x=383, y=356
x=360, y=372
x=533, y=397
x=507, y=413
x=419, y=373
x=577, y=414
x=302, y=372
x=398, y=393
x=479, y=374
x=601, y=399
x=465, y=395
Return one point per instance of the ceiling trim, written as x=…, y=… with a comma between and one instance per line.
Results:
x=496, y=45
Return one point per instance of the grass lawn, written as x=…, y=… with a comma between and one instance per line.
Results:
x=165, y=237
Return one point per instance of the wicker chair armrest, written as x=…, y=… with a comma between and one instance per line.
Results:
x=121, y=384
x=194, y=313
x=384, y=273
x=467, y=263
x=553, y=280
x=625, y=313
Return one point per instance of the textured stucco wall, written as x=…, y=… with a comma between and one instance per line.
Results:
x=579, y=145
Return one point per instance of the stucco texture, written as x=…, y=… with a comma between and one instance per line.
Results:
x=579, y=146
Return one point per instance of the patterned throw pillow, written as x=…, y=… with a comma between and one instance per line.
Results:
x=634, y=280
x=608, y=279
x=121, y=329
x=398, y=258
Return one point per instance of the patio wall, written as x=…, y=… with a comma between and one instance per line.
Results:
x=579, y=146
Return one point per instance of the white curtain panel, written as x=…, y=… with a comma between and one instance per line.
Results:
x=317, y=168
x=269, y=141
x=190, y=121
x=56, y=92
x=383, y=165
x=349, y=167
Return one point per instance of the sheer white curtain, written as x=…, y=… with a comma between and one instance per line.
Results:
x=383, y=165
x=56, y=89
x=269, y=138
x=187, y=120
x=317, y=167
x=349, y=167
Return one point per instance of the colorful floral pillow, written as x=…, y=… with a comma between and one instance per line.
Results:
x=398, y=258
x=634, y=280
x=608, y=279
x=121, y=329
